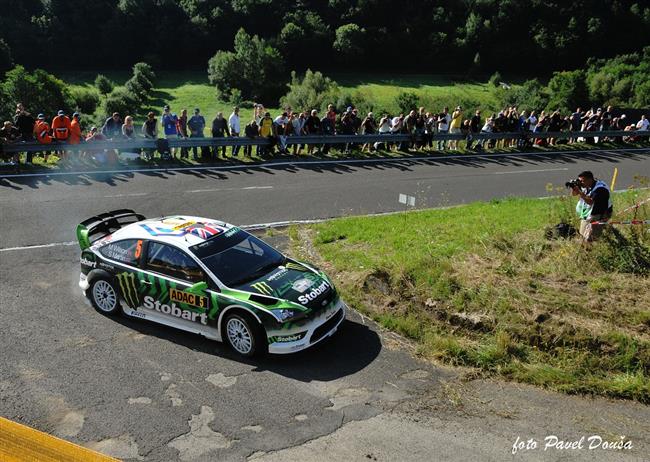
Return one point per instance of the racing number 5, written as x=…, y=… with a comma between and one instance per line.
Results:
x=138, y=249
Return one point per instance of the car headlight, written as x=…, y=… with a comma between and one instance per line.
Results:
x=283, y=315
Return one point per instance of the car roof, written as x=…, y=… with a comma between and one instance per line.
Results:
x=180, y=230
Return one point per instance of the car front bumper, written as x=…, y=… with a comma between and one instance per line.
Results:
x=317, y=329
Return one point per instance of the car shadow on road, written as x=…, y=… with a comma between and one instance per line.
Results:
x=353, y=347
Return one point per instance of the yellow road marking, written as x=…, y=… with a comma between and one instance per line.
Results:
x=19, y=443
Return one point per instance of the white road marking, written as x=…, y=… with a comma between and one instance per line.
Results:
x=40, y=246
x=531, y=171
x=192, y=191
x=318, y=162
x=127, y=195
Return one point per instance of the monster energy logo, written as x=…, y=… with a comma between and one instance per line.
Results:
x=294, y=266
x=129, y=289
x=263, y=288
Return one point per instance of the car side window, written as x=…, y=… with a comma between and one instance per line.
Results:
x=127, y=251
x=172, y=262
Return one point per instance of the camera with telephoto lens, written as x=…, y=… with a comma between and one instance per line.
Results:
x=576, y=183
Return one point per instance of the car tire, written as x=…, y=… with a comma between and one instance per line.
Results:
x=105, y=297
x=244, y=335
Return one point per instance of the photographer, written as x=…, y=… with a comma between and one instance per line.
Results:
x=595, y=204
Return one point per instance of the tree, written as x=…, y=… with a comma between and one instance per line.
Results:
x=6, y=60
x=254, y=67
x=104, y=85
x=313, y=91
x=38, y=91
x=350, y=39
x=567, y=90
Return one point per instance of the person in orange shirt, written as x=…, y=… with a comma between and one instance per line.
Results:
x=42, y=133
x=61, y=126
x=75, y=130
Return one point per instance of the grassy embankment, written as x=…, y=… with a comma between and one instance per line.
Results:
x=480, y=286
x=191, y=89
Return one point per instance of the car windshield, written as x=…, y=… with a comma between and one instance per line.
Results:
x=237, y=258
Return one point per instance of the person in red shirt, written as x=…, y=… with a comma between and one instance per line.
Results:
x=61, y=126
x=75, y=130
x=42, y=133
x=331, y=114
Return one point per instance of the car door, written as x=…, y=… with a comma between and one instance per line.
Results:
x=122, y=259
x=175, y=285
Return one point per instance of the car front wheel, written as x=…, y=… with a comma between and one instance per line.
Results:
x=244, y=335
x=104, y=297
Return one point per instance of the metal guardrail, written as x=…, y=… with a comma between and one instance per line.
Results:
x=144, y=143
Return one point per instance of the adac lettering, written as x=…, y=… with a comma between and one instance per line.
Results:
x=180, y=296
x=129, y=289
x=174, y=310
x=314, y=293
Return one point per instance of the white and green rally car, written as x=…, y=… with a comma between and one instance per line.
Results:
x=207, y=277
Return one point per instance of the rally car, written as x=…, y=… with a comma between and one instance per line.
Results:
x=207, y=277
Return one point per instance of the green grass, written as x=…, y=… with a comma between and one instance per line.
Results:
x=434, y=91
x=480, y=286
x=190, y=89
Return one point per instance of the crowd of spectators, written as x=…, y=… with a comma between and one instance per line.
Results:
x=422, y=127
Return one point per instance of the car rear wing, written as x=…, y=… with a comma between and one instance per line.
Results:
x=99, y=226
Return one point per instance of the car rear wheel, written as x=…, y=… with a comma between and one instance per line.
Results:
x=104, y=296
x=244, y=335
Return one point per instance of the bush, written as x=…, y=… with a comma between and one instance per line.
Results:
x=407, y=101
x=104, y=85
x=38, y=91
x=313, y=91
x=144, y=72
x=531, y=95
x=86, y=100
x=254, y=67
x=122, y=101
x=136, y=90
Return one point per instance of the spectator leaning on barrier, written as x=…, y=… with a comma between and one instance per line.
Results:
x=474, y=128
x=266, y=131
x=643, y=124
x=220, y=130
x=25, y=123
x=251, y=131
x=368, y=127
x=327, y=127
x=150, y=132
x=454, y=126
x=280, y=127
x=9, y=135
x=312, y=127
x=42, y=133
x=61, y=131
x=196, y=124
x=169, y=123
x=112, y=126
x=235, y=127
x=75, y=130
x=128, y=130
x=182, y=131
x=595, y=205
x=443, y=127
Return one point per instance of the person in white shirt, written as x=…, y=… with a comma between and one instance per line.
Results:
x=235, y=127
x=643, y=124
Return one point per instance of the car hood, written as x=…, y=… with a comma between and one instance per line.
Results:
x=295, y=283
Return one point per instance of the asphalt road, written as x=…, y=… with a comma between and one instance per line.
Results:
x=45, y=209
x=146, y=392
